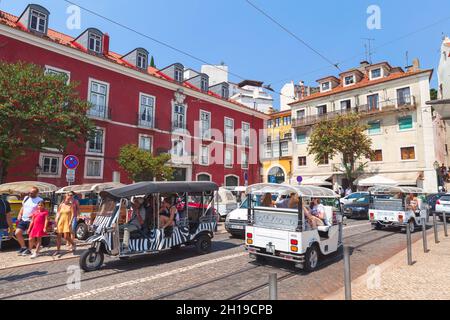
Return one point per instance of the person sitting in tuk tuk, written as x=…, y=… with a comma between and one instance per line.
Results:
x=412, y=203
x=266, y=200
x=315, y=214
x=167, y=214
x=137, y=217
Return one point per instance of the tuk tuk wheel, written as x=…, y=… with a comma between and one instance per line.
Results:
x=203, y=244
x=82, y=231
x=311, y=258
x=412, y=226
x=91, y=260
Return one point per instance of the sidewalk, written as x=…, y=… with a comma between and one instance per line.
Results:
x=428, y=278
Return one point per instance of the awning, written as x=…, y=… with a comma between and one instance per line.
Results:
x=369, y=181
x=316, y=181
x=406, y=178
x=442, y=107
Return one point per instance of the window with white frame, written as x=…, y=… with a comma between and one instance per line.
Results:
x=349, y=80
x=246, y=134
x=94, y=168
x=203, y=177
x=404, y=96
x=229, y=131
x=146, y=111
x=346, y=105
x=301, y=114
x=50, y=165
x=95, y=143
x=145, y=143
x=179, y=117
x=205, y=124
x=244, y=159
x=38, y=21
x=204, y=84
x=284, y=149
x=178, y=74
x=141, y=61
x=228, y=157
x=95, y=42
x=325, y=86
x=178, y=148
x=375, y=73
x=98, y=97
x=51, y=71
x=204, y=155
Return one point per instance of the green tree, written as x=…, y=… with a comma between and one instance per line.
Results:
x=343, y=136
x=433, y=94
x=141, y=165
x=152, y=62
x=37, y=111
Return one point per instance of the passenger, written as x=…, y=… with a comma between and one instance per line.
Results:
x=167, y=214
x=293, y=201
x=412, y=203
x=317, y=212
x=266, y=200
x=286, y=201
x=313, y=221
x=136, y=222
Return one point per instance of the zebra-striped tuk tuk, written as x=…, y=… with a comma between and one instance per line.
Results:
x=192, y=220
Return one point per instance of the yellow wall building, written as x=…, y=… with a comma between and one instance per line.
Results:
x=277, y=153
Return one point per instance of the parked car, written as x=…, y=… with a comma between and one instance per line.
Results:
x=359, y=207
x=442, y=204
x=352, y=197
x=226, y=202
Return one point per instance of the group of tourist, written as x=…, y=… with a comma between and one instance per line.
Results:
x=33, y=220
x=314, y=212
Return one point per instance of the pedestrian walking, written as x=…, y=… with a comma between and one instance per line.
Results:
x=29, y=205
x=76, y=212
x=63, y=224
x=6, y=226
x=38, y=228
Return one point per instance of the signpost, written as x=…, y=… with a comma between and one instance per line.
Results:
x=71, y=163
x=299, y=179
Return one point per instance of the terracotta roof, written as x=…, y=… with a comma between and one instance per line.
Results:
x=365, y=82
x=63, y=39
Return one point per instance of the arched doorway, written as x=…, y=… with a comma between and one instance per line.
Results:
x=276, y=175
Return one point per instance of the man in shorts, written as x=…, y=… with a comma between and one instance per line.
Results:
x=29, y=205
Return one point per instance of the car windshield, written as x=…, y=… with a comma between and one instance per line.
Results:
x=363, y=199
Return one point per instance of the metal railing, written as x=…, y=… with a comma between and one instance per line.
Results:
x=390, y=105
x=147, y=122
x=98, y=111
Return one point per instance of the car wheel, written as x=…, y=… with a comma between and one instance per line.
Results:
x=91, y=260
x=311, y=258
x=411, y=225
x=377, y=226
x=82, y=231
x=203, y=244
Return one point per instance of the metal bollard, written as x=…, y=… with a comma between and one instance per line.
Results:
x=273, y=286
x=347, y=274
x=424, y=236
x=409, y=245
x=444, y=217
x=436, y=236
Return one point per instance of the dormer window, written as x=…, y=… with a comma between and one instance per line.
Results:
x=349, y=80
x=38, y=21
x=325, y=86
x=95, y=42
x=375, y=74
x=142, y=60
x=178, y=74
x=225, y=92
x=204, y=84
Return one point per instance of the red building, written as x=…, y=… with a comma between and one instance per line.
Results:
x=168, y=110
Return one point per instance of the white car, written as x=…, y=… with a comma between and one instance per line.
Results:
x=443, y=205
x=226, y=202
x=352, y=197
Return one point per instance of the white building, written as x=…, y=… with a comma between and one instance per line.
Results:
x=292, y=92
x=401, y=125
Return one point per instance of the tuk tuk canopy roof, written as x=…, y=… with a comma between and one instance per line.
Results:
x=93, y=187
x=285, y=189
x=19, y=187
x=145, y=188
x=395, y=189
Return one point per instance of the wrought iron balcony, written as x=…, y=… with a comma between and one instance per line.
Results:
x=365, y=110
x=98, y=111
x=146, y=122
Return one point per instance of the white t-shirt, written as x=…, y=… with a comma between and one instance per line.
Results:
x=29, y=206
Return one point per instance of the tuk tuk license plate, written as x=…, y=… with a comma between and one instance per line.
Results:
x=270, y=249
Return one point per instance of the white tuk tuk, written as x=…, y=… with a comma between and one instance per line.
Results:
x=396, y=211
x=285, y=233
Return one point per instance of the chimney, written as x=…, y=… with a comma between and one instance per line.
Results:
x=415, y=66
x=364, y=64
x=105, y=44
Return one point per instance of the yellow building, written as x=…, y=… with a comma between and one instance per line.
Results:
x=277, y=151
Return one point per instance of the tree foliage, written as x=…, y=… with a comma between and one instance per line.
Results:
x=433, y=94
x=343, y=136
x=37, y=111
x=141, y=165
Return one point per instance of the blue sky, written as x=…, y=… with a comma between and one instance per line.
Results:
x=252, y=46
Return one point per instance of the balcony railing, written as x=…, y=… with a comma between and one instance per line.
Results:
x=390, y=105
x=146, y=122
x=178, y=125
x=275, y=150
x=98, y=111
